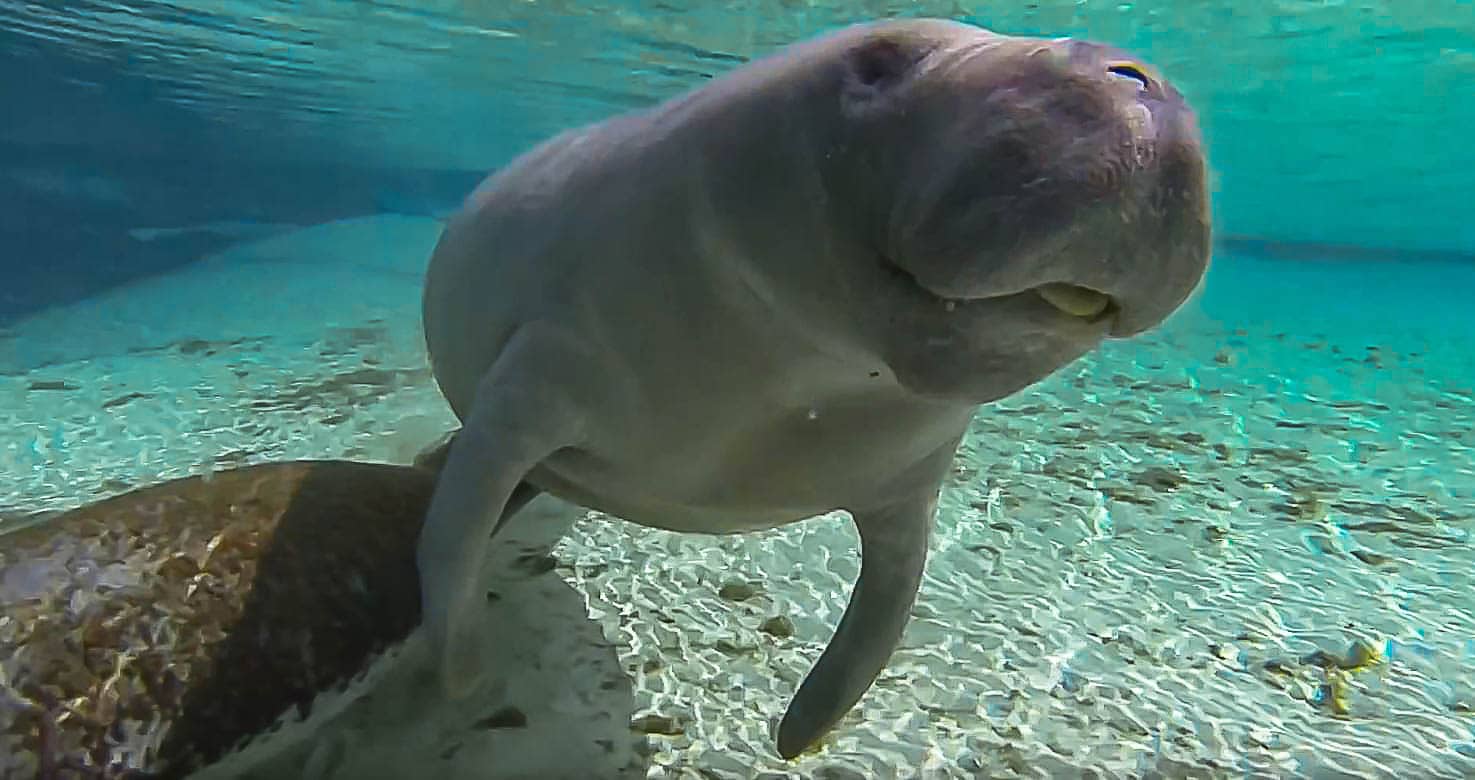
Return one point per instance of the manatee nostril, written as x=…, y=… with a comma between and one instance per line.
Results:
x=1127, y=70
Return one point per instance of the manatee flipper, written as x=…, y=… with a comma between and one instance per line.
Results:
x=521, y=414
x=893, y=552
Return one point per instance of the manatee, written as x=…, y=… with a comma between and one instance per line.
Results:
x=787, y=292
x=210, y=626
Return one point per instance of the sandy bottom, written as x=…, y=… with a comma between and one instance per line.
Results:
x=1237, y=547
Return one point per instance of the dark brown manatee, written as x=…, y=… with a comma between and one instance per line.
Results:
x=155, y=632
x=786, y=293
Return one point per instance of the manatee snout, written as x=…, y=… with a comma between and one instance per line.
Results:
x=1059, y=162
x=1032, y=198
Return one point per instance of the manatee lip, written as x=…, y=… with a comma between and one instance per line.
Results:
x=910, y=280
x=1078, y=302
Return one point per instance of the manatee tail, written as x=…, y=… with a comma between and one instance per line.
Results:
x=893, y=552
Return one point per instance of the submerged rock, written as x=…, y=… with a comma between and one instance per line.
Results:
x=263, y=622
x=151, y=633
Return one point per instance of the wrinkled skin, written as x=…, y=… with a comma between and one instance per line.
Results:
x=787, y=292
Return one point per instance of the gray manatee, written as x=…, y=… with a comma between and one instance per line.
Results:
x=787, y=292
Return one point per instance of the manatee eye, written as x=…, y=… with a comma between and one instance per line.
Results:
x=1127, y=70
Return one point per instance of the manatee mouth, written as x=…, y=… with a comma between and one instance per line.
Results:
x=1082, y=303
x=1076, y=301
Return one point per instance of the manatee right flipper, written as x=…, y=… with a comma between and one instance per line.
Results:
x=432, y=458
x=522, y=413
x=893, y=550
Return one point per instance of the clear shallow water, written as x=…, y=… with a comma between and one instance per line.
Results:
x=1137, y=560
x=1337, y=122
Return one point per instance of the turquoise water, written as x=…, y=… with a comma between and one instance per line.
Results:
x=215, y=218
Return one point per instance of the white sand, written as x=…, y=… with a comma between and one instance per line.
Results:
x=1131, y=565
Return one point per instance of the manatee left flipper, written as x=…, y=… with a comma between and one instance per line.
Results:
x=893, y=550
x=523, y=412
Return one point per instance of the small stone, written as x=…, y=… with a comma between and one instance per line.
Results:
x=1320, y=544
x=657, y=724
x=123, y=399
x=1159, y=478
x=1360, y=654
x=178, y=566
x=738, y=591
x=730, y=646
x=1321, y=659
x=1371, y=558
x=52, y=384
x=1303, y=505
x=1334, y=694
x=778, y=626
